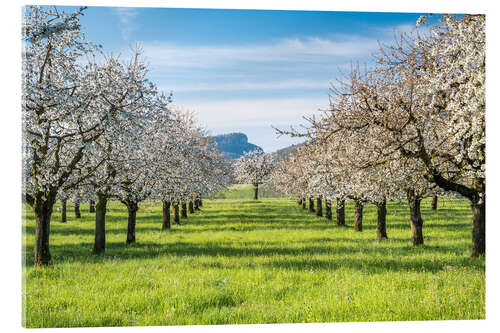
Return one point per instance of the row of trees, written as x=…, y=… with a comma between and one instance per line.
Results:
x=95, y=128
x=410, y=126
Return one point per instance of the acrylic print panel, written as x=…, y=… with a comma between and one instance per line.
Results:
x=225, y=166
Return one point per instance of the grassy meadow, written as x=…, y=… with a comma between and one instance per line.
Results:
x=254, y=261
x=245, y=191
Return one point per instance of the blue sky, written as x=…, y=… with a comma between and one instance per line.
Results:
x=245, y=70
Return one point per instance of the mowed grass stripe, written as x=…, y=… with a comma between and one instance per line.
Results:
x=246, y=261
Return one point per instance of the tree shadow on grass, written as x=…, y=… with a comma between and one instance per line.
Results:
x=369, y=267
x=273, y=224
x=187, y=228
x=296, y=258
x=447, y=226
x=399, y=256
x=374, y=267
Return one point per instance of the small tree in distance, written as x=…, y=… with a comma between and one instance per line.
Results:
x=253, y=168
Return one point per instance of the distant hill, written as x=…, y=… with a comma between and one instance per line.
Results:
x=281, y=153
x=234, y=145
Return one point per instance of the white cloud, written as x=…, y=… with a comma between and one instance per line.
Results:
x=126, y=16
x=224, y=70
x=232, y=86
x=308, y=50
x=242, y=113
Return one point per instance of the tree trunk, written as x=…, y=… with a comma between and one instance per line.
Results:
x=184, y=210
x=319, y=207
x=100, y=224
x=434, y=204
x=340, y=212
x=91, y=206
x=43, y=212
x=415, y=219
x=132, y=208
x=63, y=211
x=311, y=205
x=176, y=212
x=328, y=209
x=191, y=207
x=358, y=215
x=478, y=229
x=201, y=203
x=304, y=203
x=299, y=201
x=77, y=210
x=196, y=204
x=381, y=219
x=166, y=215
x=255, y=191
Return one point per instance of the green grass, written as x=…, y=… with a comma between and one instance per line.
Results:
x=244, y=261
x=245, y=191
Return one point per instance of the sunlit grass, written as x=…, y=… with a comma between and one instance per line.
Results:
x=245, y=191
x=246, y=261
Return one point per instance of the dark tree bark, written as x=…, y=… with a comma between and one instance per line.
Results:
x=304, y=203
x=91, y=206
x=132, y=208
x=196, y=204
x=299, y=201
x=191, y=207
x=184, y=210
x=415, y=218
x=176, y=212
x=473, y=193
x=100, y=224
x=381, y=219
x=63, y=211
x=201, y=203
x=340, y=212
x=319, y=207
x=311, y=205
x=434, y=203
x=478, y=228
x=43, y=212
x=255, y=191
x=77, y=210
x=166, y=215
x=358, y=215
x=328, y=209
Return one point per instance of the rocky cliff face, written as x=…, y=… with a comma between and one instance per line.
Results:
x=234, y=145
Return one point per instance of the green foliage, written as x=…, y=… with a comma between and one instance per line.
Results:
x=245, y=261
